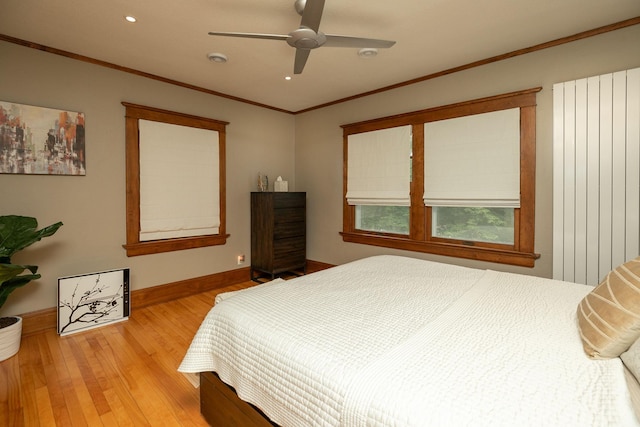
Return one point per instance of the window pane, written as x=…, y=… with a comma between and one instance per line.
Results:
x=384, y=219
x=492, y=225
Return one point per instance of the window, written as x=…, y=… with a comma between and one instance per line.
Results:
x=470, y=178
x=383, y=219
x=379, y=165
x=175, y=181
x=479, y=224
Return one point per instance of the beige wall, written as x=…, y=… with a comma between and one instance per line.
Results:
x=93, y=207
x=305, y=149
x=319, y=136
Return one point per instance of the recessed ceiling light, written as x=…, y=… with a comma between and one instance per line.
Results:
x=217, y=57
x=287, y=78
x=130, y=18
x=367, y=52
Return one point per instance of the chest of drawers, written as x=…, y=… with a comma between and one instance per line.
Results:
x=278, y=233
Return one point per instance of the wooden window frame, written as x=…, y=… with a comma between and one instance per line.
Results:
x=134, y=246
x=522, y=252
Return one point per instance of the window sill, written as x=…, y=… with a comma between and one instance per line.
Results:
x=501, y=256
x=168, y=245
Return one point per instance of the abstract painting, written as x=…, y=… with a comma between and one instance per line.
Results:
x=44, y=141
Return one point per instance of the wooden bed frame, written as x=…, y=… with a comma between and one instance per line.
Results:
x=221, y=406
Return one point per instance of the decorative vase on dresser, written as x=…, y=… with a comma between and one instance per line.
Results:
x=278, y=234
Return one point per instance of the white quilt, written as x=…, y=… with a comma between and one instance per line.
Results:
x=394, y=341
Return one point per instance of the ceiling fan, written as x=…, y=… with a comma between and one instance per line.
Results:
x=307, y=36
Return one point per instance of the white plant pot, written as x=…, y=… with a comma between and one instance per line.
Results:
x=10, y=339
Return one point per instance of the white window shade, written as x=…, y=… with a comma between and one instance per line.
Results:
x=179, y=181
x=379, y=165
x=473, y=160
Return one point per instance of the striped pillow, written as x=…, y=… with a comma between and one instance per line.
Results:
x=609, y=316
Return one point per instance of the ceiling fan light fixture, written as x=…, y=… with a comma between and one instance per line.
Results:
x=220, y=58
x=367, y=52
x=299, y=6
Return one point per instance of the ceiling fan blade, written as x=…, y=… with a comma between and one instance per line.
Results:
x=250, y=35
x=312, y=14
x=347, y=41
x=301, y=60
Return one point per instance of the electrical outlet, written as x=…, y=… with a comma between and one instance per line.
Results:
x=240, y=259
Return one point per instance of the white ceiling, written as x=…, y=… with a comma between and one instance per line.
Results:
x=170, y=39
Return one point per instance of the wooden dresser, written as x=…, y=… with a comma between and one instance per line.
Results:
x=278, y=233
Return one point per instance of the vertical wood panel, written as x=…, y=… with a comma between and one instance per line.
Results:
x=569, y=181
x=418, y=209
x=580, y=248
x=619, y=154
x=525, y=216
x=558, y=180
x=606, y=158
x=593, y=179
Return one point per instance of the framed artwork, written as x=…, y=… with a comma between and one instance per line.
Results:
x=41, y=141
x=91, y=300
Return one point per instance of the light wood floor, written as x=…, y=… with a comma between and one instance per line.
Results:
x=122, y=374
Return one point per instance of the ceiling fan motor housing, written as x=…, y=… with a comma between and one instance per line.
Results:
x=306, y=38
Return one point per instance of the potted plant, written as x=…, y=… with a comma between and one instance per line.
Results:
x=16, y=233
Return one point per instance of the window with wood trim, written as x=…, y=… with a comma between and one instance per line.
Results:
x=470, y=191
x=175, y=181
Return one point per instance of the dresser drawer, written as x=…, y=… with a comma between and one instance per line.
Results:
x=290, y=260
x=289, y=253
x=289, y=200
x=285, y=246
x=289, y=229
x=282, y=215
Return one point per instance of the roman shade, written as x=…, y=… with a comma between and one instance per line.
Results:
x=179, y=181
x=379, y=167
x=473, y=160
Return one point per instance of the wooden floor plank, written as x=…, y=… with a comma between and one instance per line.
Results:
x=88, y=366
x=73, y=409
x=31, y=377
x=10, y=405
x=44, y=409
x=122, y=374
x=78, y=386
x=138, y=370
x=55, y=382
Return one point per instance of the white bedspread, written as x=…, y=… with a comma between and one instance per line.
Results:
x=393, y=341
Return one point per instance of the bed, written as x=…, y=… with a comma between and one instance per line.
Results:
x=397, y=341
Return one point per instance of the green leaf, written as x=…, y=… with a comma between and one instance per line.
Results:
x=18, y=232
x=10, y=279
x=9, y=271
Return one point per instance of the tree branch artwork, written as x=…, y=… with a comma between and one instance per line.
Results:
x=93, y=301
